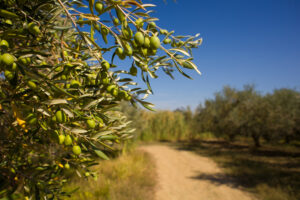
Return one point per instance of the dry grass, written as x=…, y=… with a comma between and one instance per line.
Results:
x=128, y=177
x=269, y=172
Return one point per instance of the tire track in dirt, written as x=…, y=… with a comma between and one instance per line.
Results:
x=183, y=175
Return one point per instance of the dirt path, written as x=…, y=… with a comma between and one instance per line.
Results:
x=183, y=175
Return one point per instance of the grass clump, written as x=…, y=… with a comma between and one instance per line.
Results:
x=128, y=177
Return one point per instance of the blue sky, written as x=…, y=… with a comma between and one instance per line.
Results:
x=244, y=42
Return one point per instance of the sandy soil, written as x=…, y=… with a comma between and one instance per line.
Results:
x=183, y=175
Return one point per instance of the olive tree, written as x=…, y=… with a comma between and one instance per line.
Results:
x=60, y=86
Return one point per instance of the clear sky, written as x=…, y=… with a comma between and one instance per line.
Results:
x=244, y=42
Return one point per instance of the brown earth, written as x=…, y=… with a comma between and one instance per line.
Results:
x=183, y=175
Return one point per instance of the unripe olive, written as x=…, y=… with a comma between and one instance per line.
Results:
x=67, y=166
x=7, y=59
x=139, y=22
x=25, y=61
x=128, y=97
x=115, y=92
x=99, y=7
x=144, y=51
x=181, y=43
x=105, y=64
x=8, y=21
x=53, y=118
x=76, y=150
x=154, y=42
x=167, y=41
x=127, y=32
x=128, y=50
x=152, y=25
x=91, y=123
x=120, y=53
x=33, y=28
x=4, y=44
x=61, y=139
x=97, y=27
x=60, y=116
x=110, y=88
x=9, y=75
x=105, y=80
x=147, y=42
x=163, y=31
x=32, y=85
x=75, y=84
x=139, y=38
x=116, y=21
x=68, y=140
x=63, y=77
x=104, y=30
x=87, y=174
x=14, y=66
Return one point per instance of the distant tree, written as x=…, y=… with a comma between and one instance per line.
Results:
x=284, y=113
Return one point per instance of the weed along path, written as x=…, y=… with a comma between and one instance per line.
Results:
x=183, y=175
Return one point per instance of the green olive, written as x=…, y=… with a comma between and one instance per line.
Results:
x=110, y=88
x=60, y=116
x=91, y=123
x=139, y=38
x=127, y=33
x=9, y=75
x=167, y=41
x=105, y=81
x=76, y=150
x=14, y=66
x=105, y=64
x=61, y=139
x=139, y=22
x=147, y=42
x=99, y=7
x=7, y=59
x=32, y=85
x=128, y=50
x=154, y=42
x=120, y=53
x=68, y=140
x=67, y=166
x=144, y=51
x=4, y=44
x=75, y=84
x=116, y=21
x=33, y=28
x=115, y=92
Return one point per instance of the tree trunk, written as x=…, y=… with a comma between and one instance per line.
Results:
x=256, y=140
x=287, y=139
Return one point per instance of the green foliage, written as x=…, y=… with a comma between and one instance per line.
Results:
x=160, y=125
x=57, y=105
x=247, y=113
